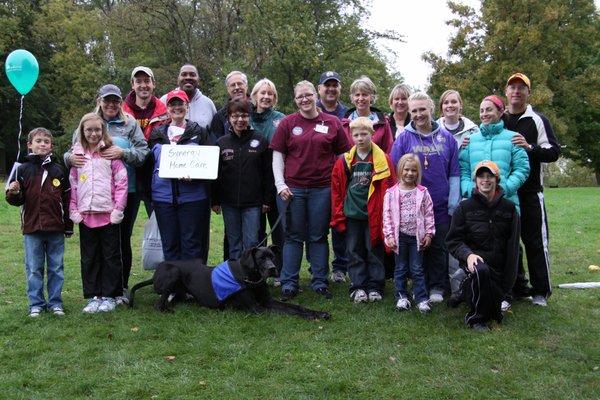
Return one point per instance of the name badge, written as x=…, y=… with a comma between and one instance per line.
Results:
x=321, y=128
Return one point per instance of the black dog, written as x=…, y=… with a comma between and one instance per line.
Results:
x=239, y=284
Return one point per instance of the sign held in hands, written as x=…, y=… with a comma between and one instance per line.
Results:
x=188, y=161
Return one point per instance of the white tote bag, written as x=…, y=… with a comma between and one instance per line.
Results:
x=152, y=253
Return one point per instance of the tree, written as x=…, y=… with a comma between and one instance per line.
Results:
x=554, y=42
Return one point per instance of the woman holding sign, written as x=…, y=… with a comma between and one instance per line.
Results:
x=305, y=146
x=180, y=204
x=245, y=183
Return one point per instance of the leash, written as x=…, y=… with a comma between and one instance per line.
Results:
x=277, y=221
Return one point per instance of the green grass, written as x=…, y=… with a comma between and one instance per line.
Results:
x=364, y=352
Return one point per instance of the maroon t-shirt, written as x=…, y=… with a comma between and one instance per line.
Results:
x=310, y=147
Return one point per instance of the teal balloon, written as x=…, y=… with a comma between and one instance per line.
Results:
x=22, y=70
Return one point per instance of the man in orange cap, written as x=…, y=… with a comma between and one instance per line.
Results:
x=537, y=138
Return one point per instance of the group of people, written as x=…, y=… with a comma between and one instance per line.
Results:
x=444, y=202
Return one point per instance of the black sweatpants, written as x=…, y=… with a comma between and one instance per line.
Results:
x=484, y=296
x=534, y=235
x=101, y=264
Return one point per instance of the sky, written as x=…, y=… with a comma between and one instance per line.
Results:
x=422, y=22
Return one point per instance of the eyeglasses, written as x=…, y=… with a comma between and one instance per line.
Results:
x=239, y=116
x=92, y=130
x=304, y=96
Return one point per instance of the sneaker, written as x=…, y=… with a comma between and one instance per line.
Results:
x=480, y=328
x=436, y=298
x=424, y=307
x=359, y=296
x=276, y=282
x=120, y=300
x=58, y=310
x=338, y=277
x=324, y=291
x=402, y=304
x=505, y=306
x=288, y=294
x=539, y=301
x=108, y=304
x=374, y=295
x=35, y=312
x=92, y=305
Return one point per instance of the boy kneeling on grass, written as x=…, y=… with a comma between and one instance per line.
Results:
x=41, y=186
x=358, y=183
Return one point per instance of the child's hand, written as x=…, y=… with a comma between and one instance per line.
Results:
x=391, y=243
x=76, y=217
x=116, y=216
x=14, y=187
x=426, y=242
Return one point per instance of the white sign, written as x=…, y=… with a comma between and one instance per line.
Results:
x=183, y=161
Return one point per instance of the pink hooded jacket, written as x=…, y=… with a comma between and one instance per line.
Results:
x=391, y=215
x=100, y=186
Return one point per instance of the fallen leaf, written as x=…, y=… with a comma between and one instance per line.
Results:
x=596, y=368
x=169, y=358
x=594, y=268
x=495, y=370
x=321, y=327
x=202, y=383
x=135, y=328
x=110, y=336
x=392, y=359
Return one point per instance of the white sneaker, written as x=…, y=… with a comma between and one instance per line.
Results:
x=539, y=301
x=35, y=312
x=374, y=295
x=120, y=300
x=424, y=306
x=402, y=304
x=505, y=306
x=58, y=310
x=436, y=298
x=108, y=304
x=359, y=296
x=92, y=305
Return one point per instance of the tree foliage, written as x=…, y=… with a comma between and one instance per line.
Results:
x=81, y=44
x=554, y=42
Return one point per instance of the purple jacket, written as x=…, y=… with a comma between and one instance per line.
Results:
x=441, y=176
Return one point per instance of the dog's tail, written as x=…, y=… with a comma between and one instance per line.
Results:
x=136, y=287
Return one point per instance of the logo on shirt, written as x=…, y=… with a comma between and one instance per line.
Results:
x=254, y=143
x=440, y=138
x=297, y=131
x=227, y=154
x=55, y=182
x=83, y=178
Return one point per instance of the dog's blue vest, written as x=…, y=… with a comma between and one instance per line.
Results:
x=223, y=282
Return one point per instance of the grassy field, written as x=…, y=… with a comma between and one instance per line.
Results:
x=365, y=352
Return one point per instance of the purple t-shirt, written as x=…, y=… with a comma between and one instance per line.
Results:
x=441, y=152
x=310, y=147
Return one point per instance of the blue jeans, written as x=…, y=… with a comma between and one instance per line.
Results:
x=182, y=229
x=42, y=247
x=365, y=262
x=435, y=262
x=241, y=226
x=409, y=259
x=306, y=220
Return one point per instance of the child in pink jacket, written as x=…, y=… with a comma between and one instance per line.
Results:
x=98, y=198
x=408, y=227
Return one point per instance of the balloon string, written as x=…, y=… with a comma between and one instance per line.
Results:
x=20, y=129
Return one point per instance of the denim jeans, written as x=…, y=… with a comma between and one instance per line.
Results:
x=306, y=220
x=42, y=247
x=130, y=214
x=365, y=265
x=435, y=262
x=409, y=259
x=182, y=229
x=241, y=227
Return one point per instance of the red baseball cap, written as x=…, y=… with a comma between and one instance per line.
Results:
x=177, y=94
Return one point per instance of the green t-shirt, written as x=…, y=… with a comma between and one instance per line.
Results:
x=357, y=192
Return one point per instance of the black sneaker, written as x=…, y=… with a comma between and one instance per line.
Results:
x=288, y=294
x=454, y=300
x=324, y=291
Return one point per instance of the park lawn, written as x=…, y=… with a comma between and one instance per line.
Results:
x=366, y=351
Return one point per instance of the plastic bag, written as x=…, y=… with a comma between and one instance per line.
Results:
x=152, y=253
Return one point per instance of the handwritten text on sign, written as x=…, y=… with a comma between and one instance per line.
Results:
x=196, y=162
